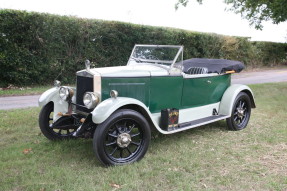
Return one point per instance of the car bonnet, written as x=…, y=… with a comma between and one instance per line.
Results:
x=130, y=71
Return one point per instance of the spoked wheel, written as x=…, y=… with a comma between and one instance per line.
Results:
x=46, y=121
x=123, y=138
x=240, y=113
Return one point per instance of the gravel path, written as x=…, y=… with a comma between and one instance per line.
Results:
x=15, y=102
x=260, y=77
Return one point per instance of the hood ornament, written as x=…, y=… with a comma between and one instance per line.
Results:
x=57, y=83
x=88, y=65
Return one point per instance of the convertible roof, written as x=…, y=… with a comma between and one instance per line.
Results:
x=213, y=65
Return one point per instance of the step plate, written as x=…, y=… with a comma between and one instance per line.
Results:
x=200, y=121
x=196, y=123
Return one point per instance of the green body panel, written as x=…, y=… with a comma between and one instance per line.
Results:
x=135, y=87
x=162, y=92
x=202, y=91
x=165, y=92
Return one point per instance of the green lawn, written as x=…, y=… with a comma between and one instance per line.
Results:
x=24, y=91
x=204, y=158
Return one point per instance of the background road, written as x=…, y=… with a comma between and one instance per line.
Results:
x=14, y=102
x=260, y=77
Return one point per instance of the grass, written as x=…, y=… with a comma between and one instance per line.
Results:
x=16, y=91
x=204, y=158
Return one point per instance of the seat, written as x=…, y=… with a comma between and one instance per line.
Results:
x=197, y=70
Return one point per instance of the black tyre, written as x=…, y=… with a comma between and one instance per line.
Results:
x=241, y=112
x=123, y=138
x=45, y=122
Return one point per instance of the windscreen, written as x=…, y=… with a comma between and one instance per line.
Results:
x=163, y=55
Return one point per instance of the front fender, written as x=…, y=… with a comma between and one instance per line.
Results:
x=229, y=97
x=48, y=96
x=52, y=95
x=107, y=107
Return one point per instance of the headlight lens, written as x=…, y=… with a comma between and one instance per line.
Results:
x=90, y=100
x=65, y=93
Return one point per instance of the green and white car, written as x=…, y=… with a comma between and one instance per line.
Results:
x=119, y=106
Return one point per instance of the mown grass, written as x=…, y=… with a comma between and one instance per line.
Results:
x=33, y=90
x=204, y=158
x=18, y=91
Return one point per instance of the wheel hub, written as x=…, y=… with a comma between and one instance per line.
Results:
x=124, y=140
x=240, y=112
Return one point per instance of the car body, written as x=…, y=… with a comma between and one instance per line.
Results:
x=118, y=106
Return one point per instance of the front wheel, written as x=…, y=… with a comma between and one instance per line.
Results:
x=123, y=138
x=46, y=122
x=241, y=112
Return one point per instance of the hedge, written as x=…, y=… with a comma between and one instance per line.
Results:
x=37, y=48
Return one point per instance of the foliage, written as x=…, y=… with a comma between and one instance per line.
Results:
x=184, y=3
x=270, y=54
x=203, y=158
x=38, y=48
x=255, y=11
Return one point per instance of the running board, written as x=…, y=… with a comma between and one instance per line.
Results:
x=196, y=123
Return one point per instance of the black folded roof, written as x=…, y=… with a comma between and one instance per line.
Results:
x=213, y=65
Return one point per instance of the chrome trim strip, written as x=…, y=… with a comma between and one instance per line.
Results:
x=123, y=84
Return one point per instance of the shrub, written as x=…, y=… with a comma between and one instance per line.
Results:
x=37, y=48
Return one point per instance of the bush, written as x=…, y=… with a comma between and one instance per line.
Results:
x=38, y=48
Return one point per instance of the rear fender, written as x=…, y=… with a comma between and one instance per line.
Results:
x=229, y=97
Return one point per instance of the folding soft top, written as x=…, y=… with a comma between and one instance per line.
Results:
x=213, y=65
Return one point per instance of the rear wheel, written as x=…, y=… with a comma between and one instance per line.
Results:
x=123, y=138
x=241, y=112
x=46, y=121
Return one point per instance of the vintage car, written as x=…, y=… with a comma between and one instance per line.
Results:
x=119, y=106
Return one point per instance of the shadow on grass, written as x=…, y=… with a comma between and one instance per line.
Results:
x=75, y=150
x=80, y=151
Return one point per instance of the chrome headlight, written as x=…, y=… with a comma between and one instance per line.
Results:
x=66, y=93
x=90, y=100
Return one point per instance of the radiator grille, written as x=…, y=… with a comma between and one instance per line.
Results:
x=84, y=84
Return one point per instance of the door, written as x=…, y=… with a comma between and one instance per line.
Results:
x=165, y=92
x=199, y=91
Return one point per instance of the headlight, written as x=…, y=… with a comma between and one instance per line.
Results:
x=90, y=100
x=66, y=93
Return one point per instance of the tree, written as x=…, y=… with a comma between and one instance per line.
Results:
x=255, y=11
